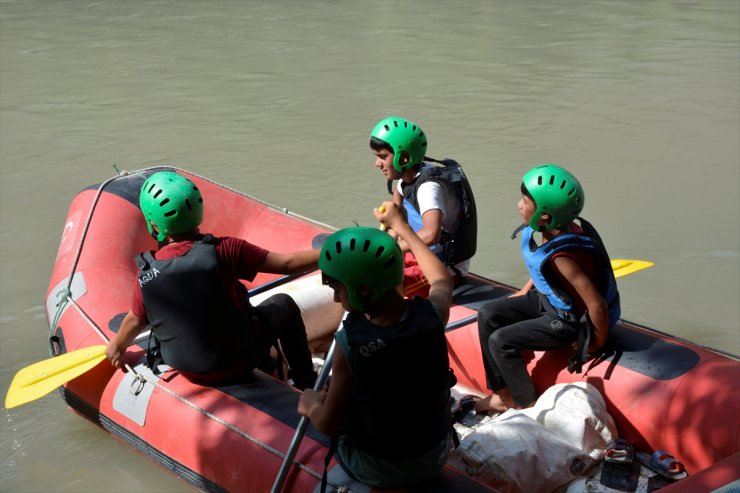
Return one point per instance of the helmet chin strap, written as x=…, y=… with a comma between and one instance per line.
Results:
x=518, y=230
x=390, y=187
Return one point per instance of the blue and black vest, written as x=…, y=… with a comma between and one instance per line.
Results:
x=460, y=244
x=386, y=362
x=199, y=328
x=555, y=299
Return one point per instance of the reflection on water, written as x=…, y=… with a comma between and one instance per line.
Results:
x=639, y=99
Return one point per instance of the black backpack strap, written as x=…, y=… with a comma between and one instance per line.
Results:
x=154, y=354
x=333, y=446
x=575, y=363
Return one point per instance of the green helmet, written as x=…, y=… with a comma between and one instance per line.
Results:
x=555, y=192
x=402, y=135
x=172, y=202
x=363, y=256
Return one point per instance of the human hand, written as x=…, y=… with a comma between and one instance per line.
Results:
x=116, y=355
x=390, y=216
x=309, y=400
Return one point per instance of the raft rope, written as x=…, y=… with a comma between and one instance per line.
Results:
x=65, y=294
x=64, y=297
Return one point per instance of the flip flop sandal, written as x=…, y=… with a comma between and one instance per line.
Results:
x=620, y=451
x=663, y=463
x=463, y=407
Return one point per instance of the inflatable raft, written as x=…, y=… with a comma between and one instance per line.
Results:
x=663, y=392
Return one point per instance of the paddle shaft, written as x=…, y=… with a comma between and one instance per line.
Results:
x=302, y=424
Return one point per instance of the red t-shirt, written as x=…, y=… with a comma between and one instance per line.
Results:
x=237, y=259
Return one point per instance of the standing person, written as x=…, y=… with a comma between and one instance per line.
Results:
x=570, y=300
x=379, y=357
x=189, y=292
x=436, y=196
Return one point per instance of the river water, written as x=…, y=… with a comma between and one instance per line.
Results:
x=639, y=99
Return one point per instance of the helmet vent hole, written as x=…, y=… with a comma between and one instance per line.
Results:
x=189, y=205
x=539, y=180
x=562, y=187
x=327, y=255
x=339, y=247
x=395, y=123
x=379, y=251
x=151, y=187
x=158, y=192
x=552, y=179
x=366, y=246
x=352, y=243
x=164, y=202
x=389, y=262
x=170, y=213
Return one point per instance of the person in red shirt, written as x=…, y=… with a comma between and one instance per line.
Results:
x=189, y=292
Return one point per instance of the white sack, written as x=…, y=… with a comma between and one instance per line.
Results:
x=536, y=450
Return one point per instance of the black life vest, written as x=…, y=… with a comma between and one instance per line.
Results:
x=200, y=329
x=460, y=244
x=388, y=364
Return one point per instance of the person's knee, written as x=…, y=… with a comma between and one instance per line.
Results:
x=490, y=312
x=282, y=299
x=501, y=344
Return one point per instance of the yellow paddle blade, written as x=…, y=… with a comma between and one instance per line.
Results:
x=624, y=267
x=38, y=379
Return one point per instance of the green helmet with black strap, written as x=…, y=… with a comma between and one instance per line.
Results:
x=172, y=202
x=555, y=192
x=362, y=256
x=403, y=136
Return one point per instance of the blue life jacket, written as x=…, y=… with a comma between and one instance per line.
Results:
x=199, y=328
x=535, y=258
x=460, y=244
x=387, y=361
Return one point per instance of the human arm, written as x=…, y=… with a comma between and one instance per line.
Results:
x=440, y=282
x=130, y=328
x=529, y=285
x=326, y=409
x=430, y=232
x=597, y=309
x=290, y=263
x=432, y=205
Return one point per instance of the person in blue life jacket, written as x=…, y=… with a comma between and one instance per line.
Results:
x=571, y=298
x=378, y=358
x=189, y=292
x=436, y=197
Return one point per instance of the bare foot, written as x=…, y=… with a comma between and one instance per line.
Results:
x=496, y=403
x=490, y=405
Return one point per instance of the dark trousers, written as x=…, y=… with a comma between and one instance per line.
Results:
x=506, y=326
x=281, y=318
